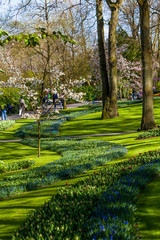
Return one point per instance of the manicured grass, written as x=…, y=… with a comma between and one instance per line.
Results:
x=129, y=120
x=14, y=210
x=9, y=133
x=15, y=151
x=148, y=212
x=134, y=146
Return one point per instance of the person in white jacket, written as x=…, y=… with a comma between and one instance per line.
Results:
x=21, y=106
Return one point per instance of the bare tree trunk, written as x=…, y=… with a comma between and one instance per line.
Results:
x=148, y=121
x=39, y=138
x=48, y=46
x=102, y=59
x=158, y=53
x=64, y=105
x=113, y=61
x=129, y=10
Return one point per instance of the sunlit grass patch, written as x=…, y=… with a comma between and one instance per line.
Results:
x=129, y=119
x=77, y=156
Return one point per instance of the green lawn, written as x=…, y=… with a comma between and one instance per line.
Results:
x=129, y=120
x=9, y=133
x=14, y=210
x=148, y=212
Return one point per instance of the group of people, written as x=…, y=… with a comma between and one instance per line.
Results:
x=7, y=108
x=4, y=109
x=133, y=95
x=47, y=101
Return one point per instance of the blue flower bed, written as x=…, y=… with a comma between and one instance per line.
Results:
x=113, y=217
x=100, y=207
x=77, y=156
x=50, y=128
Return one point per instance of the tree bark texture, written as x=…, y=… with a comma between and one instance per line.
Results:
x=65, y=105
x=39, y=138
x=148, y=121
x=102, y=59
x=113, y=60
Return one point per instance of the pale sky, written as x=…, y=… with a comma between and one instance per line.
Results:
x=11, y=4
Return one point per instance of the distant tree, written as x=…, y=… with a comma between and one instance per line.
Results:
x=132, y=51
x=129, y=18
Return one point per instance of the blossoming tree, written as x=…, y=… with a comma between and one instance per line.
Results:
x=29, y=87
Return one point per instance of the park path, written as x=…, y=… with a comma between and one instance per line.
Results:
x=75, y=105
x=78, y=136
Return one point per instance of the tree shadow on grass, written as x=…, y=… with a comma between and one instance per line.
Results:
x=14, y=210
x=15, y=151
x=148, y=212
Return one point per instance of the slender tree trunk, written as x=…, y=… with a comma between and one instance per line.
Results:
x=48, y=46
x=39, y=138
x=64, y=105
x=102, y=59
x=113, y=108
x=158, y=53
x=148, y=121
x=113, y=61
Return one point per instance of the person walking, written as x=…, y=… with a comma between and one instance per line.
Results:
x=130, y=94
x=133, y=94
x=21, y=106
x=62, y=103
x=55, y=97
x=9, y=108
x=3, y=112
x=45, y=101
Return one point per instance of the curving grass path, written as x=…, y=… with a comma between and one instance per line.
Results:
x=148, y=212
x=9, y=133
x=129, y=120
x=14, y=210
x=130, y=117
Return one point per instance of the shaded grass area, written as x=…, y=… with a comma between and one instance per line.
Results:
x=14, y=210
x=129, y=120
x=134, y=146
x=148, y=212
x=93, y=124
x=9, y=133
x=15, y=151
